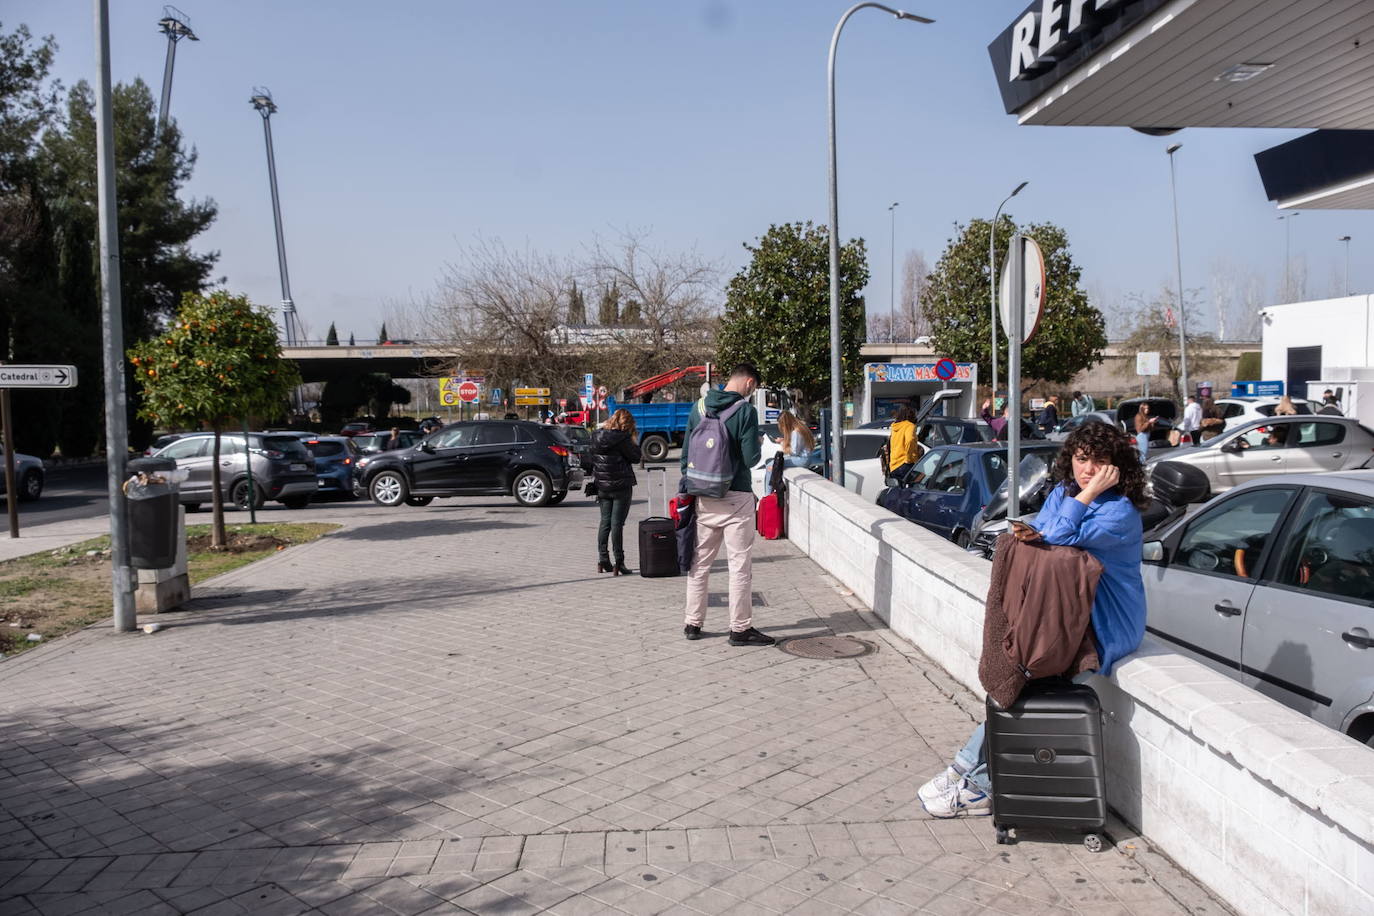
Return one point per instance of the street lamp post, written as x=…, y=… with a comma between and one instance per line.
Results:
x=176, y=25
x=992, y=286
x=1287, y=220
x=836, y=370
x=1178, y=266
x=1346, y=239
x=262, y=101
x=892, y=277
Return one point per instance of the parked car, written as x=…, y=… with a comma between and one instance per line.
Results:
x=1280, y=445
x=282, y=469
x=530, y=461
x=28, y=475
x=580, y=438
x=1244, y=409
x=1123, y=417
x=336, y=464
x=1272, y=585
x=372, y=443
x=356, y=428
x=952, y=484
x=162, y=442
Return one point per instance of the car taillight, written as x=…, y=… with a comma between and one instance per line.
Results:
x=559, y=450
x=348, y=461
x=271, y=453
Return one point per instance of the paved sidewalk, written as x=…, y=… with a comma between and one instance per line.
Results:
x=446, y=710
x=44, y=537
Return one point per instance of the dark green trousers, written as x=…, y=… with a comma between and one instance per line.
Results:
x=615, y=507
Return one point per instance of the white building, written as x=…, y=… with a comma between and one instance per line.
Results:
x=1327, y=343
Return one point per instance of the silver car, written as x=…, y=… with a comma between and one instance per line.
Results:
x=1280, y=445
x=283, y=469
x=28, y=475
x=1273, y=585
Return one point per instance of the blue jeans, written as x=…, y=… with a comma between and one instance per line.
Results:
x=972, y=759
x=1142, y=441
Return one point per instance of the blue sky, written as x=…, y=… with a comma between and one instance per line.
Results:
x=408, y=129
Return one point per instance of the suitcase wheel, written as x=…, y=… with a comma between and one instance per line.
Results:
x=1005, y=837
x=1092, y=842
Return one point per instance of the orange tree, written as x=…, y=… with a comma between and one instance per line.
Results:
x=217, y=361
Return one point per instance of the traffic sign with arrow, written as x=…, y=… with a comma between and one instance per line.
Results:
x=14, y=376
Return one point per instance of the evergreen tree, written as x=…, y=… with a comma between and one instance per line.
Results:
x=332, y=338
x=609, y=313
x=350, y=339
x=382, y=336
x=577, y=306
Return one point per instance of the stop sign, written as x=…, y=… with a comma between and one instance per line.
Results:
x=468, y=391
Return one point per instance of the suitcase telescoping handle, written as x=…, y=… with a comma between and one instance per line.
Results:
x=657, y=492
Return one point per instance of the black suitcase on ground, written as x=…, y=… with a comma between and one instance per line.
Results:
x=657, y=533
x=1046, y=761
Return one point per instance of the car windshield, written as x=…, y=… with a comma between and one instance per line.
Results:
x=289, y=446
x=326, y=449
x=995, y=465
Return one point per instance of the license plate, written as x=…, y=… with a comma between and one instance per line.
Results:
x=298, y=467
x=322, y=483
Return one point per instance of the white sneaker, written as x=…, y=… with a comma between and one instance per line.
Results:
x=960, y=798
x=939, y=786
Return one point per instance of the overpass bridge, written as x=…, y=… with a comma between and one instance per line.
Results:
x=319, y=362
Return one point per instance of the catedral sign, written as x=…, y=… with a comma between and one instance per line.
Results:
x=1053, y=37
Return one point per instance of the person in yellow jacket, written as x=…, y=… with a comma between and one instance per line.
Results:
x=903, y=449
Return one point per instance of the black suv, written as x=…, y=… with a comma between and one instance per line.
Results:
x=535, y=464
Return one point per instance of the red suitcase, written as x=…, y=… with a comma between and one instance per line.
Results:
x=768, y=519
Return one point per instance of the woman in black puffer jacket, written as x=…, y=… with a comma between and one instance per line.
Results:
x=615, y=452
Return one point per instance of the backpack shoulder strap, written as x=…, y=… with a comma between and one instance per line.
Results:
x=728, y=412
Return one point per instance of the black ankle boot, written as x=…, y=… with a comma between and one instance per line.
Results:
x=604, y=566
x=622, y=570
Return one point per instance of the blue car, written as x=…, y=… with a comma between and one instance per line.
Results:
x=336, y=464
x=950, y=485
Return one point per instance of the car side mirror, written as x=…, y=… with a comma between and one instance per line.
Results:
x=427, y=448
x=1232, y=446
x=1152, y=552
x=892, y=482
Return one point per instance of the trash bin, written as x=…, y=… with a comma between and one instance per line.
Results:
x=152, y=496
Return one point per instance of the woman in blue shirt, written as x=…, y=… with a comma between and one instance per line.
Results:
x=1096, y=507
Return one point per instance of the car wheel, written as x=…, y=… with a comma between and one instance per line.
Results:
x=655, y=448
x=31, y=487
x=388, y=488
x=557, y=498
x=296, y=502
x=419, y=500
x=532, y=488
x=239, y=495
x=961, y=540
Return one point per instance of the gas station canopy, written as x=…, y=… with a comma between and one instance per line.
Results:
x=1160, y=65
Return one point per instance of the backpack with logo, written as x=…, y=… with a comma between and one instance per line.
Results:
x=710, y=466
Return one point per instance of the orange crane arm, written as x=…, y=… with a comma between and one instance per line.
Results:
x=644, y=390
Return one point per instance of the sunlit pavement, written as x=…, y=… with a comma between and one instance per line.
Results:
x=445, y=709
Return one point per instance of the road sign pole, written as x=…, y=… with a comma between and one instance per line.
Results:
x=112, y=324
x=11, y=493
x=1014, y=335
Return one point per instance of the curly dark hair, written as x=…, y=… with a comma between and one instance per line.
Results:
x=1104, y=442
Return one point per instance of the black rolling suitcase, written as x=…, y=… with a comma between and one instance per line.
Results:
x=657, y=533
x=1046, y=761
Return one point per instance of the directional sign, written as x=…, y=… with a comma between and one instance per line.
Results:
x=532, y=392
x=532, y=402
x=37, y=376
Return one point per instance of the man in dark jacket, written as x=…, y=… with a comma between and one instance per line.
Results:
x=614, y=455
x=729, y=519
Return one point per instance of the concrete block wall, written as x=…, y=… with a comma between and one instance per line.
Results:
x=1272, y=811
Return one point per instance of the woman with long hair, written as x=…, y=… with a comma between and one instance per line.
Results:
x=615, y=452
x=1285, y=407
x=796, y=439
x=1095, y=507
x=1143, y=424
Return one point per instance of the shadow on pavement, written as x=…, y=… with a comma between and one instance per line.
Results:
x=407, y=529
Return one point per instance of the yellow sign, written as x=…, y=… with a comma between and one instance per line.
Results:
x=532, y=392
x=531, y=402
x=448, y=391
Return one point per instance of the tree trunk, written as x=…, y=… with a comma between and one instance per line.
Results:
x=217, y=535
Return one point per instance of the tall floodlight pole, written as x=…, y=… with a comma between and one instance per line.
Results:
x=262, y=101
x=892, y=276
x=836, y=369
x=1346, y=239
x=993, y=284
x=112, y=324
x=1287, y=220
x=176, y=25
x=1178, y=265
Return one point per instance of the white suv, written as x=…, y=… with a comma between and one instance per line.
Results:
x=1244, y=409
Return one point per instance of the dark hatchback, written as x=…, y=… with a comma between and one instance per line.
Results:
x=951, y=484
x=336, y=463
x=536, y=464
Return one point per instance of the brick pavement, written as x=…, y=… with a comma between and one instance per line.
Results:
x=446, y=710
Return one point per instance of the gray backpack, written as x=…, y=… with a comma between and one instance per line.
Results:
x=710, y=467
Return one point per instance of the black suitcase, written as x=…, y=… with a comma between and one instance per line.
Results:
x=1046, y=761
x=657, y=533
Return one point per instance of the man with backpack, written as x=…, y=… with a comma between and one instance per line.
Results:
x=720, y=448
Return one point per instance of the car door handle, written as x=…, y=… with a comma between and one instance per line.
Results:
x=1357, y=639
x=1230, y=610
x=1275, y=457
x=1337, y=454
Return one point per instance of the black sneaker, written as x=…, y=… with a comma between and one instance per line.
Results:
x=750, y=637
x=691, y=632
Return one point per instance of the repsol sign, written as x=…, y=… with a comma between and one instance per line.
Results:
x=1051, y=38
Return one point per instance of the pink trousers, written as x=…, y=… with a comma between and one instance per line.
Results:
x=729, y=519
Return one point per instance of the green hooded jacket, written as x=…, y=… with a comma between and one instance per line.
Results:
x=743, y=427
